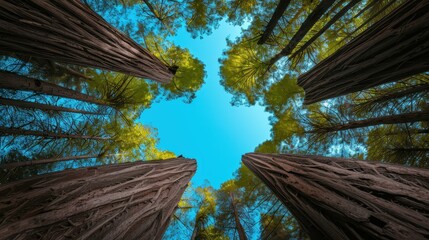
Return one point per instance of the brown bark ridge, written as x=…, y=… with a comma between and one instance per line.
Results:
x=13, y=81
x=336, y=198
x=119, y=201
x=421, y=116
x=314, y=16
x=68, y=31
x=41, y=106
x=278, y=13
x=394, y=48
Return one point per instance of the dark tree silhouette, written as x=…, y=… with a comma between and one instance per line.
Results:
x=278, y=13
x=394, y=48
x=70, y=32
x=124, y=201
x=337, y=198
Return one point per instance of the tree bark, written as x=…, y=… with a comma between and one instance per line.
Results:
x=70, y=32
x=238, y=225
x=45, y=161
x=45, y=134
x=14, y=81
x=119, y=201
x=337, y=198
x=41, y=106
x=314, y=16
x=278, y=13
x=394, y=48
x=393, y=119
x=335, y=18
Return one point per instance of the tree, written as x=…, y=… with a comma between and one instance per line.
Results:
x=138, y=199
x=280, y=9
x=335, y=198
x=369, y=61
x=70, y=32
x=206, y=208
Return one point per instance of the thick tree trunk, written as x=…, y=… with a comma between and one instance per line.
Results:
x=394, y=48
x=41, y=106
x=335, y=18
x=337, y=198
x=69, y=31
x=45, y=161
x=393, y=119
x=122, y=201
x=53, y=135
x=278, y=13
x=314, y=16
x=14, y=81
x=238, y=225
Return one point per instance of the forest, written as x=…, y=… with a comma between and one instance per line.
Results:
x=344, y=85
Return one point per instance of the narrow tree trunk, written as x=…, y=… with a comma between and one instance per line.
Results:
x=14, y=81
x=119, y=201
x=53, y=135
x=394, y=48
x=393, y=119
x=45, y=161
x=337, y=198
x=337, y=16
x=70, y=32
x=314, y=16
x=240, y=229
x=195, y=231
x=41, y=106
x=278, y=13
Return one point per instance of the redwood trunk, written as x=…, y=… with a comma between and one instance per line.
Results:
x=238, y=225
x=53, y=135
x=337, y=198
x=14, y=81
x=69, y=31
x=120, y=201
x=278, y=13
x=303, y=30
x=41, y=106
x=394, y=48
x=393, y=119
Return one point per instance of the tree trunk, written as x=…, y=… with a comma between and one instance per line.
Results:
x=337, y=198
x=45, y=134
x=240, y=229
x=45, y=161
x=394, y=48
x=41, y=106
x=337, y=16
x=119, y=201
x=314, y=16
x=14, y=81
x=393, y=119
x=278, y=13
x=70, y=32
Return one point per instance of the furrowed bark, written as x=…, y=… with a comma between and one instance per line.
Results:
x=394, y=48
x=70, y=32
x=335, y=198
x=303, y=30
x=14, y=81
x=119, y=201
x=52, y=135
x=41, y=106
x=278, y=13
x=392, y=119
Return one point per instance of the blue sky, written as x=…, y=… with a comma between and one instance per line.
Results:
x=209, y=129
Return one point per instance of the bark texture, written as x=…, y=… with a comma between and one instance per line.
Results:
x=122, y=201
x=337, y=198
x=278, y=13
x=9, y=80
x=69, y=31
x=394, y=48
